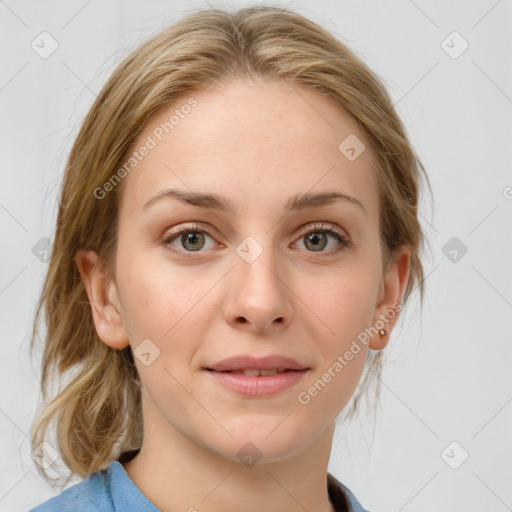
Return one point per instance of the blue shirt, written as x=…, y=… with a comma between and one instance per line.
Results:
x=112, y=490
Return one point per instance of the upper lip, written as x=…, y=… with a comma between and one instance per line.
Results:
x=245, y=362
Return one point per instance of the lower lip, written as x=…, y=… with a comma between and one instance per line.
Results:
x=264, y=385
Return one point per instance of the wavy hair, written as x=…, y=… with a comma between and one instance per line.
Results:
x=97, y=411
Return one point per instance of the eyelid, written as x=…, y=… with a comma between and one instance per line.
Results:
x=196, y=226
x=322, y=226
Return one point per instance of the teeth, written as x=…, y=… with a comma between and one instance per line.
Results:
x=268, y=372
x=254, y=372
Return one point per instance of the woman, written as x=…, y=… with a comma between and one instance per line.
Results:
x=236, y=237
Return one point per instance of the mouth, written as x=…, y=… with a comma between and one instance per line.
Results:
x=244, y=362
x=255, y=372
x=257, y=383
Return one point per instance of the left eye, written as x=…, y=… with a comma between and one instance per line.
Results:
x=192, y=239
x=316, y=237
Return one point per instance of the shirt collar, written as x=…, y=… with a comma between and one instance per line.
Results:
x=127, y=497
x=341, y=496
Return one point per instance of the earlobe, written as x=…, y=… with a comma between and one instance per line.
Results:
x=392, y=290
x=103, y=298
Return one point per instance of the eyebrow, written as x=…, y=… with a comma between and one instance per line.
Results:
x=297, y=202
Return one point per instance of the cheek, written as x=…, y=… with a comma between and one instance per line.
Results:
x=164, y=303
x=344, y=304
x=151, y=296
x=344, y=311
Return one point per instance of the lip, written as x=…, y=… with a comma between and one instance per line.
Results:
x=262, y=385
x=247, y=362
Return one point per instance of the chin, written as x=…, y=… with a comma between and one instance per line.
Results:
x=257, y=443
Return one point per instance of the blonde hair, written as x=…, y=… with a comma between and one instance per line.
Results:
x=98, y=412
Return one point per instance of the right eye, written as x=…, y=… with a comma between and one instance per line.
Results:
x=191, y=238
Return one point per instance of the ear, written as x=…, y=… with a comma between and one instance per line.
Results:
x=103, y=297
x=390, y=296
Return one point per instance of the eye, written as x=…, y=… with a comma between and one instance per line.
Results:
x=316, y=237
x=191, y=239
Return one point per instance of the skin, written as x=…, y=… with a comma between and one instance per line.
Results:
x=292, y=300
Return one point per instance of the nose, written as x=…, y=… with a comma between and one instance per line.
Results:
x=258, y=294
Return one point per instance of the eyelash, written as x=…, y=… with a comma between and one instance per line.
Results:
x=317, y=228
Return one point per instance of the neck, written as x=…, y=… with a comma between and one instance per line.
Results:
x=176, y=473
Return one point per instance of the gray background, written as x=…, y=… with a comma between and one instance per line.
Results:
x=447, y=376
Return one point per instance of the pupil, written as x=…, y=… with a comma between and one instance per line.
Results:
x=191, y=238
x=314, y=238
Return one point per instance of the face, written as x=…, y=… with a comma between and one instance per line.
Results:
x=270, y=274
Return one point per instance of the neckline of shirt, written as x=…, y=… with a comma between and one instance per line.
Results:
x=126, y=495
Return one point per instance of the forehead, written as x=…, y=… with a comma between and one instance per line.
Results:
x=254, y=142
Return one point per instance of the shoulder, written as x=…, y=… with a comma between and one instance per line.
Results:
x=90, y=495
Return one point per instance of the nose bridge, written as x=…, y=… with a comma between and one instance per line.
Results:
x=257, y=261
